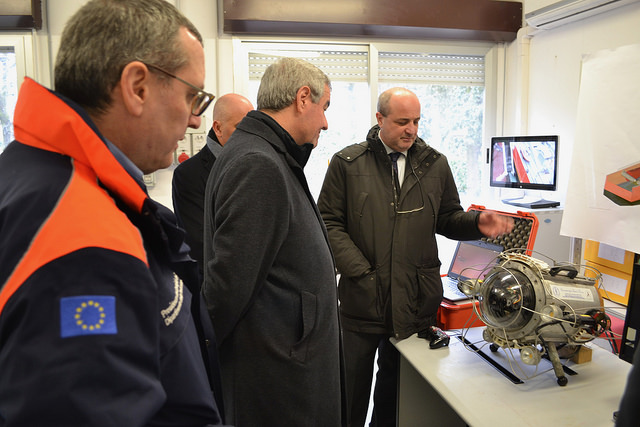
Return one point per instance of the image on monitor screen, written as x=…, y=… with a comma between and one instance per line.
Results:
x=527, y=163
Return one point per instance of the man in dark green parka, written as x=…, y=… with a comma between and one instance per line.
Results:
x=382, y=227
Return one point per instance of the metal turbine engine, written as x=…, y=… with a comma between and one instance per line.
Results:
x=533, y=308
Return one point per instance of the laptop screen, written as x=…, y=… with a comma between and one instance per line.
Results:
x=472, y=257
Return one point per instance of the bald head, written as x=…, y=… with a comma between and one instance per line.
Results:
x=398, y=94
x=398, y=117
x=228, y=111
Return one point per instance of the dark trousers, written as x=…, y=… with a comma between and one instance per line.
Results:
x=359, y=353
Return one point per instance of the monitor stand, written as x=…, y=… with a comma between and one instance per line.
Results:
x=531, y=202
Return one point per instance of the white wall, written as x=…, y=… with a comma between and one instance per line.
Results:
x=543, y=74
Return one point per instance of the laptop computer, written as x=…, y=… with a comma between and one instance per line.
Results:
x=469, y=260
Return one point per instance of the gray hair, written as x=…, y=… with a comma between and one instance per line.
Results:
x=282, y=79
x=104, y=36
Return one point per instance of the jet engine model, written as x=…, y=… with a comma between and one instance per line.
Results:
x=533, y=308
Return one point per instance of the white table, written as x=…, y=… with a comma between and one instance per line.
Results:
x=453, y=386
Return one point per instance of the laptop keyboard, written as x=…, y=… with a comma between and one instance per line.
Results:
x=451, y=291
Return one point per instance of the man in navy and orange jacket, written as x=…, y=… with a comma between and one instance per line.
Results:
x=101, y=321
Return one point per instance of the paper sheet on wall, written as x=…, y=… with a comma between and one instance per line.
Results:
x=611, y=253
x=604, y=179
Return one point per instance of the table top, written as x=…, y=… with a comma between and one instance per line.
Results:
x=483, y=396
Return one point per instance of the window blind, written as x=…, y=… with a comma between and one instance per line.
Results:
x=338, y=65
x=431, y=68
x=392, y=66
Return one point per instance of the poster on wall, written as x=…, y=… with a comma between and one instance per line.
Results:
x=603, y=196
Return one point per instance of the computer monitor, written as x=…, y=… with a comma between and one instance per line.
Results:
x=527, y=163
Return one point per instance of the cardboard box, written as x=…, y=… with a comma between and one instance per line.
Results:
x=615, y=283
x=609, y=256
x=583, y=355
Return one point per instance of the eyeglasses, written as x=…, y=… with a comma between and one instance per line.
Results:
x=200, y=101
x=395, y=195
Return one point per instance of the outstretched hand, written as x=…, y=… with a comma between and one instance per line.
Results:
x=492, y=224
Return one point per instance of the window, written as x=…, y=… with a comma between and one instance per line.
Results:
x=451, y=91
x=15, y=64
x=8, y=93
x=349, y=115
x=450, y=82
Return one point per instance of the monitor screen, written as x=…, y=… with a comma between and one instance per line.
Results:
x=526, y=162
x=473, y=259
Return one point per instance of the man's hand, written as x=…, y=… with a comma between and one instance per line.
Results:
x=492, y=224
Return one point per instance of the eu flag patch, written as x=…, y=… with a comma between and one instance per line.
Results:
x=88, y=315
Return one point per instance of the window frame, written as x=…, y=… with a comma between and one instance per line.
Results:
x=242, y=47
x=494, y=55
x=22, y=44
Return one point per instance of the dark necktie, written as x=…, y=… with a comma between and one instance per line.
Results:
x=394, y=163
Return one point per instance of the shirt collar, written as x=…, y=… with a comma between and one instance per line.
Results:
x=213, y=145
x=126, y=163
x=389, y=149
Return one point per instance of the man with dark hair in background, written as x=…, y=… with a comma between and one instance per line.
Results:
x=101, y=322
x=190, y=177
